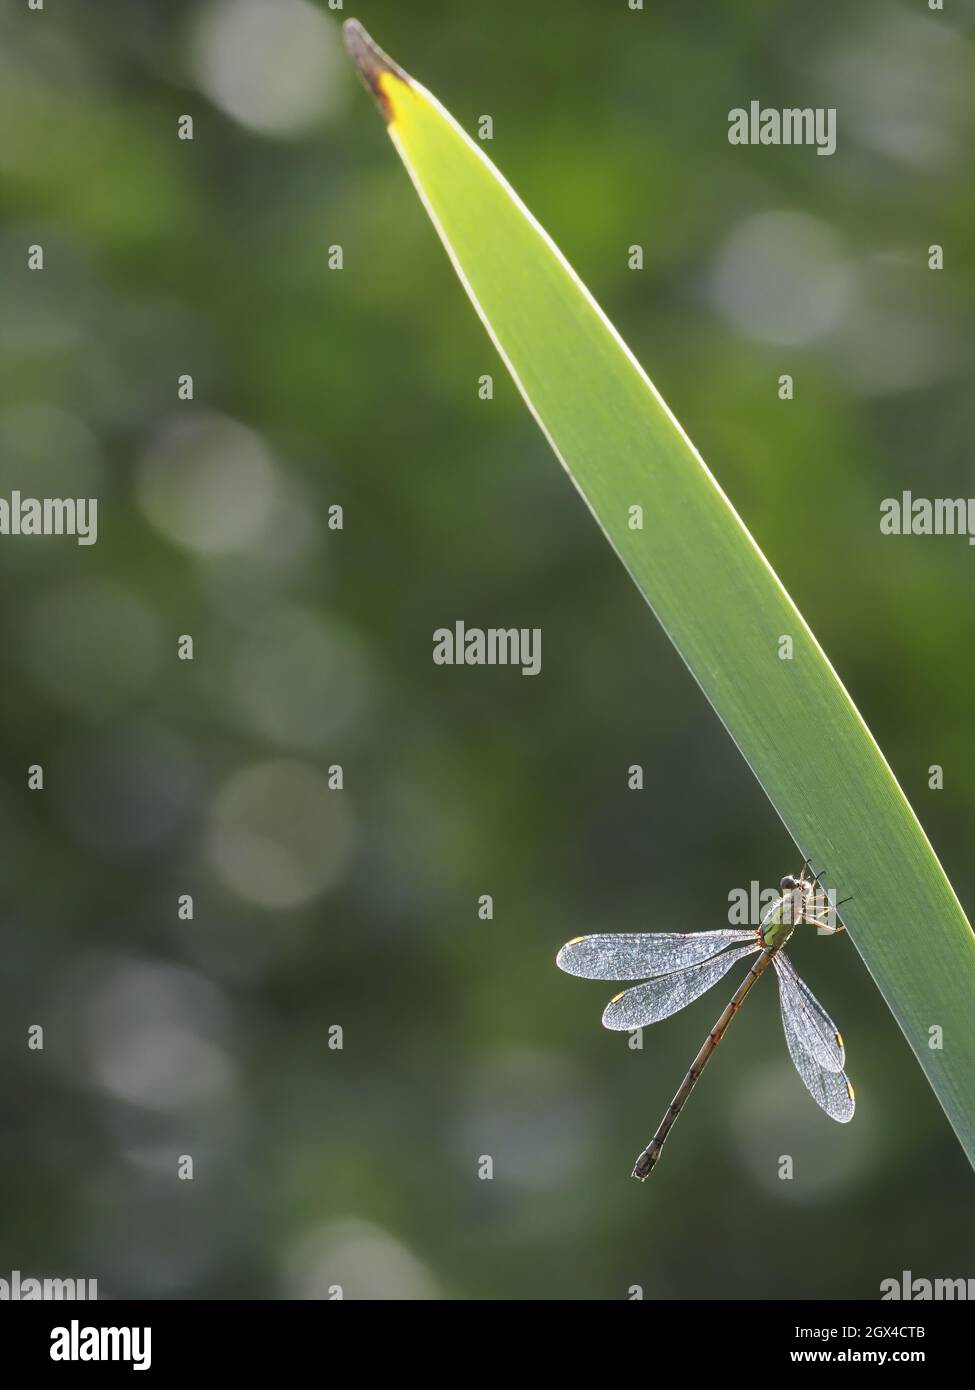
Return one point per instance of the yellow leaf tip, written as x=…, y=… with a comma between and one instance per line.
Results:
x=372, y=63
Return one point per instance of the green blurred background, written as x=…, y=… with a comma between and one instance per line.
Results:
x=316, y=1167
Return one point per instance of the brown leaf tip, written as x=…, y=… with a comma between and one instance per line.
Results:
x=371, y=61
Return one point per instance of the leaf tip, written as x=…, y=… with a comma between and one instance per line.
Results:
x=372, y=63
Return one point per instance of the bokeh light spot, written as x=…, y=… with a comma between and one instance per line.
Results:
x=155, y=1036
x=92, y=645
x=360, y=1259
x=272, y=67
x=781, y=277
x=278, y=836
x=299, y=680
x=207, y=483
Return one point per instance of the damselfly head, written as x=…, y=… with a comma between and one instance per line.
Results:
x=796, y=885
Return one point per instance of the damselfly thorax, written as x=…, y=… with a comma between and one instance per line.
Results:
x=682, y=967
x=800, y=901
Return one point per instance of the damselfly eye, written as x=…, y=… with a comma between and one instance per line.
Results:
x=787, y=883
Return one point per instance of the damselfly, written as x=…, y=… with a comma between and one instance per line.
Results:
x=681, y=967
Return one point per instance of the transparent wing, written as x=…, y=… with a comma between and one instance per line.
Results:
x=660, y=998
x=829, y=1051
x=637, y=955
x=830, y=1089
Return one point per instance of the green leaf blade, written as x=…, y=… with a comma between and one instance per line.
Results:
x=709, y=585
